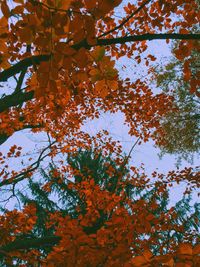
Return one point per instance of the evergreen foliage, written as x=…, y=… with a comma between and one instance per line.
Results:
x=67, y=201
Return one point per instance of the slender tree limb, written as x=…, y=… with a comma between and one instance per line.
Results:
x=24, y=174
x=17, y=98
x=29, y=243
x=4, y=137
x=148, y=37
x=129, y=154
x=20, y=80
x=126, y=20
x=30, y=61
x=23, y=64
x=22, y=74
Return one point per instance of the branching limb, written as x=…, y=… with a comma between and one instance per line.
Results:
x=20, y=66
x=4, y=137
x=148, y=37
x=13, y=195
x=25, y=174
x=20, y=80
x=17, y=98
x=29, y=243
x=126, y=20
x=30, y=61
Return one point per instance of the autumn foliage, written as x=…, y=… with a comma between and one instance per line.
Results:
x=58, y=69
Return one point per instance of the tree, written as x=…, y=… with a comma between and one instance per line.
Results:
x=57, y=63
x=181, y=126
x=82, y=215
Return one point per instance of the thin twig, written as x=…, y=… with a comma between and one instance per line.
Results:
x=126, y=20
x=129, y=154
x=19, y=177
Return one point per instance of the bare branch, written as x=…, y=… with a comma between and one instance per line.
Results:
x=131, y=150
x=24, y=174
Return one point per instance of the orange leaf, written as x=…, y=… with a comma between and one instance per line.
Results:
x=196, y=249
x=101, y=88
x=5, y=9
x=64, y=4
x=139, y=261
x=19, y=1
x=185, y=249
x=170, y=263
x=18, y=10
x=3, y=25
x=26, y=35
x=113, y=85
x=90, y=4
x=148, y=255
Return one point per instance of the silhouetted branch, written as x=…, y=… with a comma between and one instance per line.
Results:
x=24, y=174
x=29, y=243
x=23, y=64
x=148, y=37
x=127, y=19
x=27, y=62
x=17, y=98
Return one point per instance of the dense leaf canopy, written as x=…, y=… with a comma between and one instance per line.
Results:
x=57, y=71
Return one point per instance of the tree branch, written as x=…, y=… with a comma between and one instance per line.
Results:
x=27, y=62
x=22, y=74
x=20, y=80
x=127, y=19
x=20, y=66
x=15, y=99
x=21, y=176
x=4, y=136
x=148, y=37
x=29, y=243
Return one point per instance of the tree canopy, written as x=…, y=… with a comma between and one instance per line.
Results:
x=180, y=126
x=57, y=71
x=97, y=213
